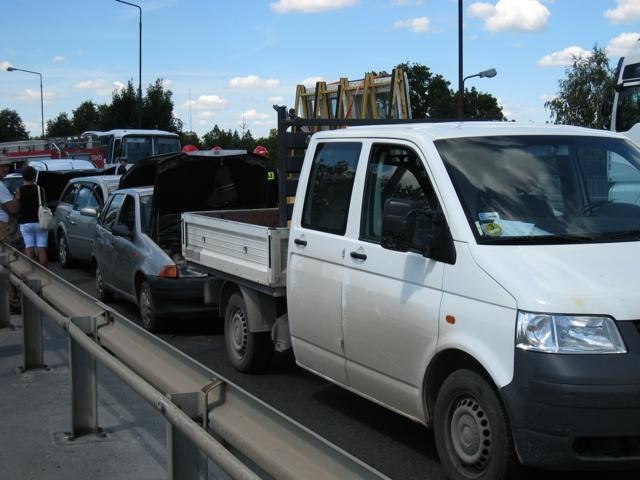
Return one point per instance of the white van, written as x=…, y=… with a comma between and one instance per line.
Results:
x=478, y=278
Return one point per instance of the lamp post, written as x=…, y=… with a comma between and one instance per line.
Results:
x=14, y=69
x=460, y=65
x=490, y=73
x=139, y=60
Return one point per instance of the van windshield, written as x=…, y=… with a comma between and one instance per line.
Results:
x=546, y=189
x=138, y=147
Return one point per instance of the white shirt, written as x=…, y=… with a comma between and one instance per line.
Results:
x=5, y=196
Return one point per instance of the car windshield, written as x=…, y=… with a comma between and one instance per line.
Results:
x=546, y=189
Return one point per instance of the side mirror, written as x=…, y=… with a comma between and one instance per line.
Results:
x=398, y=224
x=121, y=230
x=441, y=247
x=89, y=212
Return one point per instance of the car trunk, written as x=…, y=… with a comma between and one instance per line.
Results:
x=200, y=181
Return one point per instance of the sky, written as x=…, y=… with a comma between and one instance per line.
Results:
x=226, y=61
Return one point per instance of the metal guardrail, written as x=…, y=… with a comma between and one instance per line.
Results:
x=205, y=413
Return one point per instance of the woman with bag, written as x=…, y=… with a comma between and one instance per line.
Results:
x=31, y=196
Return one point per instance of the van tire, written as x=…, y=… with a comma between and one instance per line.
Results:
x=472, y=431
x=247, y=351
x=102, y=291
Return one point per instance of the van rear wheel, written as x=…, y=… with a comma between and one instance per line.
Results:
x=472, y=431
x=247, y=351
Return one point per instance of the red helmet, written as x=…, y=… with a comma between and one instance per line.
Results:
x=189, y=148
x=260, y=150
x=217, y=147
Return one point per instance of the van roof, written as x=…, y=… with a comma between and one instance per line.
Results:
x=441, y=130
x=119, y=132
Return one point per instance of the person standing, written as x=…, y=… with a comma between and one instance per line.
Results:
x=29, y=196
x=122, y=168
x=8, y=204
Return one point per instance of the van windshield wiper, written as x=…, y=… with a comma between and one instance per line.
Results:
x=537, y=239
x=624, y=235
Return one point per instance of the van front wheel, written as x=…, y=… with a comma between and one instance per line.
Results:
x=472, y=431
x=247, y=351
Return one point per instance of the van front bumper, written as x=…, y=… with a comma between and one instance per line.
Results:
x=577, y=411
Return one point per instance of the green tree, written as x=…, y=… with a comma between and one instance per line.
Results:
x=431, y=96
x=157, y=109
x=61, y=126
x=189, y=138
x=11, y=126
x=86, y=117
x=583, y=91
x=123, y=110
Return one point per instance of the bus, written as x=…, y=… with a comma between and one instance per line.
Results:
x=132, y=144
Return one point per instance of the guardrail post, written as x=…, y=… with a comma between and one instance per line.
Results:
x=184, y=459
x=32, y=324
x=5, y=292
x=84, y=385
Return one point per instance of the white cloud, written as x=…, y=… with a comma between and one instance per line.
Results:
x=511, y=15
x=545, y=97
x=311, y=6
x=206, y=102
x=404, y=3
x=311, y=81
x=620, y=45
x=58, y=59
x=100, y=86
x=275, y=99
x=30, y=95
x=627, y=11
x=253, y=81
x=252, y=114
x=416, y=25
x=166, y=84
x=4, y=65
x=563, y=58
x=206, y=115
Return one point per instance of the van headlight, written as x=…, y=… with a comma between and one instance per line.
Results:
x=542, y=332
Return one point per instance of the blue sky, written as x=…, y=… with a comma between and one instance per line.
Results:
x=227, y=60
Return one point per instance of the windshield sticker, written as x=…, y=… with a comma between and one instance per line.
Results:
x=492, y=229
x=488, y=217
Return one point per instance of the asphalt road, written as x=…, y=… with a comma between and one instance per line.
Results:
x=397, y=447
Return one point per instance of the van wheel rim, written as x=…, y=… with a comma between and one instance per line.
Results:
x=239, y=331
x=471, y=434
x=145, y=306
x=99, y=281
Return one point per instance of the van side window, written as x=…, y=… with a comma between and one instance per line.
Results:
x=326, y=203
x=396, y=171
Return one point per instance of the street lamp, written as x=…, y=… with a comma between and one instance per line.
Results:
x=139, y=61
x=483, y=74
x=14, y=69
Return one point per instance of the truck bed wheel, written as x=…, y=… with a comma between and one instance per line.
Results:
x=102, y=291
x=472, y=431
x=247, y=351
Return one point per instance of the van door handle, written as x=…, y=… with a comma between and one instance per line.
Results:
x=358, y=255
x=299, y=241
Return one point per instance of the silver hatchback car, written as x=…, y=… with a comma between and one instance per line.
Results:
x=76, y=216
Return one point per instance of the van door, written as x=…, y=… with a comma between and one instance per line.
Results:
x=316, y=257
x=391, y=299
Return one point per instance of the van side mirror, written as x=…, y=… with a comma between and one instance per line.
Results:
x=399, y=228
x=398, y=224
x=441, y=247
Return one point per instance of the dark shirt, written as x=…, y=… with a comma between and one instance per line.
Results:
x=28, y=204
x=121, y=170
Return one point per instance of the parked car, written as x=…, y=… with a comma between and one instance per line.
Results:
x=62, y=164
x=76, y=215
x=137, y=250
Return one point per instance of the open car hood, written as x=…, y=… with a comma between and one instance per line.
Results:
x=53, y=182
x=204, y=180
